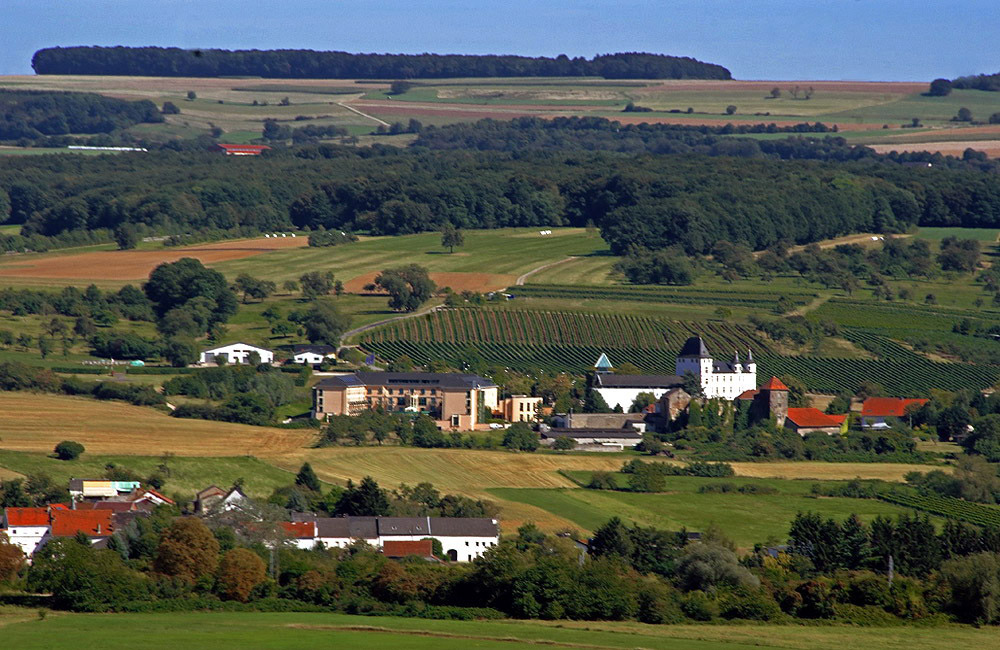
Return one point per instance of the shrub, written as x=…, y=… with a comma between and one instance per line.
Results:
x=602, y=481
x=68, y=450
x=697, y=606
x=239, y=572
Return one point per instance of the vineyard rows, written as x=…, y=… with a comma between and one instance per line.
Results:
x=904, y=379
x=664, y=294
x=465, y=326
x=882, y=347
x=950, y=507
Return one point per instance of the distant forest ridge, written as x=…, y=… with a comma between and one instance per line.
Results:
x=310, y=64
x=990, y=82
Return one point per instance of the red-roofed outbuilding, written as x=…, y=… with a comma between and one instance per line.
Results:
x=811, y=420
x=875, y=410
x=26, y=517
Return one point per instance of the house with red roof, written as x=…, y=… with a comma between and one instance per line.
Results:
x=876, y=412
x=27, y=528
x=811, y=420
x=32, y=528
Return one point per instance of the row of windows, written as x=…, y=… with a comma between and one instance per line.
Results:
x=483, y=543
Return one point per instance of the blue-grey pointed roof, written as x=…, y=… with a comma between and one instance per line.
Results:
x=603, y=363
x=694, y=347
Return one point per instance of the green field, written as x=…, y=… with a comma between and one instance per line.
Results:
x=23, y=629
x=985, y=235
x=748, y=518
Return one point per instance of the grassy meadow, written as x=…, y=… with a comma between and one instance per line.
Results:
x=24, y=629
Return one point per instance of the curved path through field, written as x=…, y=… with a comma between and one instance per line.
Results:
x=385, y=321
x=521, y=280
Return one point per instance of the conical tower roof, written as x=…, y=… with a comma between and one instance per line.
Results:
x=774, y=384
x=694, y=347
x=603, y=363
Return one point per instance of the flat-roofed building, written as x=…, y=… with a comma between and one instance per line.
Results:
x=454, y=400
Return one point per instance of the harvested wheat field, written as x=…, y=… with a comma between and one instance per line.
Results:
x=955, y=148
x=830, y=471
x=457, y=281
x=137, y=264
x=37, y=422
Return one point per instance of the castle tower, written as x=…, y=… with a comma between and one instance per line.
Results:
x=771, y=401
x=694, y=358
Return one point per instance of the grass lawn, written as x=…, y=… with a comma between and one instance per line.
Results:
x=747, y=518
x=22, y=629
x=985, y=235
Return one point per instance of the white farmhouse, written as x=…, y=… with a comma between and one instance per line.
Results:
x=313, y=355
x=462, y=538
x=236, y=353
x=27, y=528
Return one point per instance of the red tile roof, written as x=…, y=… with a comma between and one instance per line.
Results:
x=158, y=496
x=774, y=384
x=252, y=149
x=300, y=529
x=66, y=523
x=839, y=419
x=393, y=548
x=748, y=394
x=27, y=516
x=880, y=407
x=810, y=418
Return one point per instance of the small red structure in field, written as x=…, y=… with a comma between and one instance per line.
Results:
x=241, y=149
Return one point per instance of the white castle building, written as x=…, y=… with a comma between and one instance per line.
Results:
x=725, y=379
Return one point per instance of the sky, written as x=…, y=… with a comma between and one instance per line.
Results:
x=869, y=40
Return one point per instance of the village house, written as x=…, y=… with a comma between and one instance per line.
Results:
x=462, y=538
x=31, y=528
x=877, y=412
x=457, y=401
x=595, y=439
x=519, y=408
x=214, y=499
x=235, y=353
x=81, y=489
x=313, y=355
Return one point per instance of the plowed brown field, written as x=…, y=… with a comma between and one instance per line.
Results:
x=136, y=265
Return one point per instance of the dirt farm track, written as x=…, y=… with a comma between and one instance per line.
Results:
x=136, y=265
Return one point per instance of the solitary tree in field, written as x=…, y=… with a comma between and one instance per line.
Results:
x=408, y=286
x=730, y=109
x=316, y=284
x=775, y=92
x=452, y=237
x=940, y=88
x=192, y=95
x=964, y=115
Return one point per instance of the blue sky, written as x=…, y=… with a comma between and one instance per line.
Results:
x=755, y=39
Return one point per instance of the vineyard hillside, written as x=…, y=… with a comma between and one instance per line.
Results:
x=571, y=342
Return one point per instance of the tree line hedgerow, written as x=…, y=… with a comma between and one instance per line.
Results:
x=33, y=114
x=637, y=200
x=311, y=64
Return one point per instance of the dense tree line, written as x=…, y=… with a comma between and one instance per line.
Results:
x=33, y=114
x=989, y=82
x=638, y=200
x=310, y=64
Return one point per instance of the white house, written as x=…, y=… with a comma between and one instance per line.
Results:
x=236, y=353
x=313, y=355
x=27, y=528
x=462, y=538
